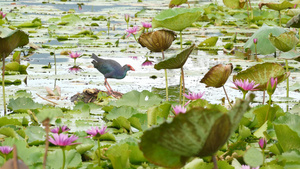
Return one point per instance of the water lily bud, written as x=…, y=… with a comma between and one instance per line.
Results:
x=271, y=86
x=127, y=17
x=157, y=41
x=255, y=40
x=262, y=143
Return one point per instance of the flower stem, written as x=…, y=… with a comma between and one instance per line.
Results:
x=264, y=95
x=3, y=83
x=287, y=80
x=55, y=63
x=215, y=162
x=135, y=38
x=256, y=53
x=180, y=40
x=64, y=157
x=183, y=85
x=127, y=25
x=180, y=90
x=270, y=100
x=99, y=150
x=166, y=77
x=227, y=96
x=279, y=18
x=244, y=95
x=74, y=61
x=263, y=152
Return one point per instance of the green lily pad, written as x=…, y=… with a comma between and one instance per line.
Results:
x=277, y=6
x=234, y=4
x=171, y=17
x=264, y=46
x=199, y=132
x=285, y=41
x=125, y=111
x=209, y=42
x=22, y=104
x=293, y=12
x=174, y=3
x=119, y=156
x=217, y=75
x=176, y=61
x=15, y=66
x=287, y=131
x=291, y=55
x=294, y=22
x=261, y=74
x=253, y=157
x=36, y=135
x=9, y=40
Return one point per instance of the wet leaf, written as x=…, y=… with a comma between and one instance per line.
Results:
x=199, y=132
x=171, y=17
x=51, y=113
x=8, y=132
x=36, y=135
x=125, y=111
x=15, y=66
x=9, y=40
x=9, y=121
x=217, y=75
x=176, y=61
x=292, y=54
x=264, y=46
x=73, y=159
x=285, y=41
x=261, y=73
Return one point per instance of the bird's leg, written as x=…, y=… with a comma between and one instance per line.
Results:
x=109, y=89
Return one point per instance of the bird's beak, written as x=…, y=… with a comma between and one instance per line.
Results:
x=131, y=68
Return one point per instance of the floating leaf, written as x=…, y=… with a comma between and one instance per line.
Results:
x=217, y=75
x=9, y=40
x=234, y=4
x=125, y=111
x=292, y=54
x=23, y=104
x=276, y=5
x=294, y=22
x=119, y=156
x=176, y=19
x=157, y=41
x=176, y=61
x=209, y=42
x=15, y=66
x=36, y=135
x=264, y=46
x=199, y=132
x=285, y=41
x=261, y=74
x=142, y=99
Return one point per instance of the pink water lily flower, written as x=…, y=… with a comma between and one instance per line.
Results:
x=74, y=55
x=147, y=25
x=2, y=15
x=126, y=17
x=248, y=167
x=5, y=149
x=178, y=109
x=132, y=30
x=60, y=129
x=63, y=139
x=255, y=40
x=245, y=85
x=194, y=96
x=97, y=132
x=147, y=63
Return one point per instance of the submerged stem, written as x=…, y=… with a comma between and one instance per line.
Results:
x=287, y=80
x=3, y=83
x=227, y=96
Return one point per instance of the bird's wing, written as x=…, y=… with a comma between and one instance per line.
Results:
x=105, y=66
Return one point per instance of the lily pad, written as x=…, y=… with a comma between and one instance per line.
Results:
x=15, y=66
x=277, y=6
x=23, y=104
x=199, y=132
x=291, y=55
x=176, y=61
x=261, y=74
x=264, y=46
x=209, y=42
x=9, y=40
x=294, y=22
x=234, y=4
x=171, y=17
x=217, y=75
x=174, y=3
x=285, y=41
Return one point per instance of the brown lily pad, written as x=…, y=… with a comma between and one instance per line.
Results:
x=217, y=75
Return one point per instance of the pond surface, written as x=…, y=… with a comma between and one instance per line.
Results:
x=127, y=51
